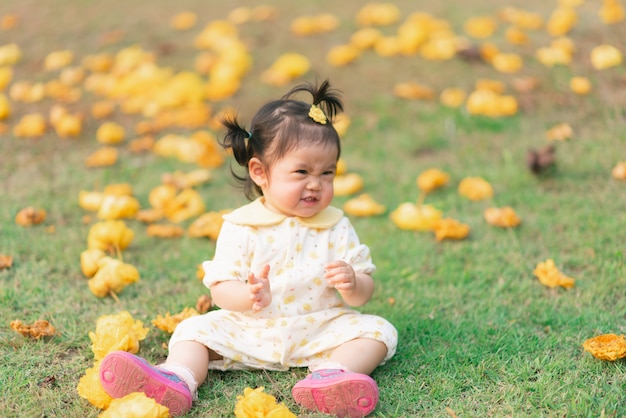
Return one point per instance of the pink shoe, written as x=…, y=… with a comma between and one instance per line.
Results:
x=337, y=392
x=122, y=373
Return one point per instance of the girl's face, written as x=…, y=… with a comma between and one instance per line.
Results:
x=300, y=183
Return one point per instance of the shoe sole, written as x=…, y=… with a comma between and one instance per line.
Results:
x=349, y=396
x=122, y=373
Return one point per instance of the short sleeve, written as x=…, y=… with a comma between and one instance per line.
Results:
x=351, y=250
x=231, y=260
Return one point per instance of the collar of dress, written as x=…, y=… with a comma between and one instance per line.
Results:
x=256, y=214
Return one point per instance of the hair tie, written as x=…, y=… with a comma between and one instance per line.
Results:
x=317, y=114
x=249, y=135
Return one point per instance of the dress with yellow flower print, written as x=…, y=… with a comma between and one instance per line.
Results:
x=307, y=319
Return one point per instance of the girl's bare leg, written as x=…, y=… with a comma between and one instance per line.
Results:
x=361, y=355
x=194, y=356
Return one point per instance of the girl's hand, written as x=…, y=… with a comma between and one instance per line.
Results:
x=260, y=289
x=341, y=276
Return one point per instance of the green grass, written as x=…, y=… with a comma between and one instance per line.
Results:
x=479, y=335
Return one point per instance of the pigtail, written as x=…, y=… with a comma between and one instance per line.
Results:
x=324, y=96
x=236, y=139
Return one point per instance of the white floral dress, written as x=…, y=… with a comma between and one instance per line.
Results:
x=306, y=320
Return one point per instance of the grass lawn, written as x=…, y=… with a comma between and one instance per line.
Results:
x=480, y=336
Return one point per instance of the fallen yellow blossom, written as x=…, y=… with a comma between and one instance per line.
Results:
x=169, y=322
x=609, y=347
x=431, y=179
x=207, y=225
x=347, y=184
x=110, y=236
x=112, y=277
x=605, y=56
x=503, y=217
x=550, y=276
x=30, y=216
x=90, y=388
x=116, y=332
x=410, y=216
x=449, y=228
x=135, y=405
x=102, y=157
x=39, y=328
x=475, y=188
x=165, y=231
x=363, y=205
x=90, y=261
x=619, y=171
x=118, y=206
x=255, y=403
x=560, y=132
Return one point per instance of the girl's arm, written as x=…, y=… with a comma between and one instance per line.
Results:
x=238, y=296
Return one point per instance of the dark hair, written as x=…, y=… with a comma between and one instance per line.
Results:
x=279, y=127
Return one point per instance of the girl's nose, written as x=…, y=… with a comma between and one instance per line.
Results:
x=314, y=183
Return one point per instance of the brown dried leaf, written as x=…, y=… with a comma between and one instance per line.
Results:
x=39, y=328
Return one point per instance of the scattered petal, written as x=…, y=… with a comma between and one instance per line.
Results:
x=39, y=328
x=449, y=228
x=619, y=171
x=117, y=332
x=363, y=205
x=169, y=322
x=609, y=347
x=504, y=217
x=550, y=276
x=432, y=179
x=257, y=403
x=475, y=188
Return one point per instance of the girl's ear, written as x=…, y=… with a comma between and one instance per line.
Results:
x=257, y=172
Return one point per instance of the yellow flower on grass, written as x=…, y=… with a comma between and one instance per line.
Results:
x=135, y=405
x=90, y=261
x=480, y=27
x=255, y=403
x=90, y=388
x=475, y=188
x=169, y=322
x=503, y=217
x=117, y=207
x=207, y=225
x=560, y=132
x=117, y=332
x=347, y=184
x=183, y=21
x=363, y=205
x=605, y=56
x=619, y=171
x=580, y=85
x=103, y=157
x=109, y=235
x=449, y=228
x=112, y=277
x=431, y=179
x=611, y=11
x=5, y=107
x=452, y=97
x=30, y=126
x=110, y=133
x=187, y=204
x=58, y=59
x=410, y=216
x=609, y=347
x=550, y=276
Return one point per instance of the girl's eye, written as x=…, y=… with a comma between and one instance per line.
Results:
x=329, y=173
x=301, y=171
